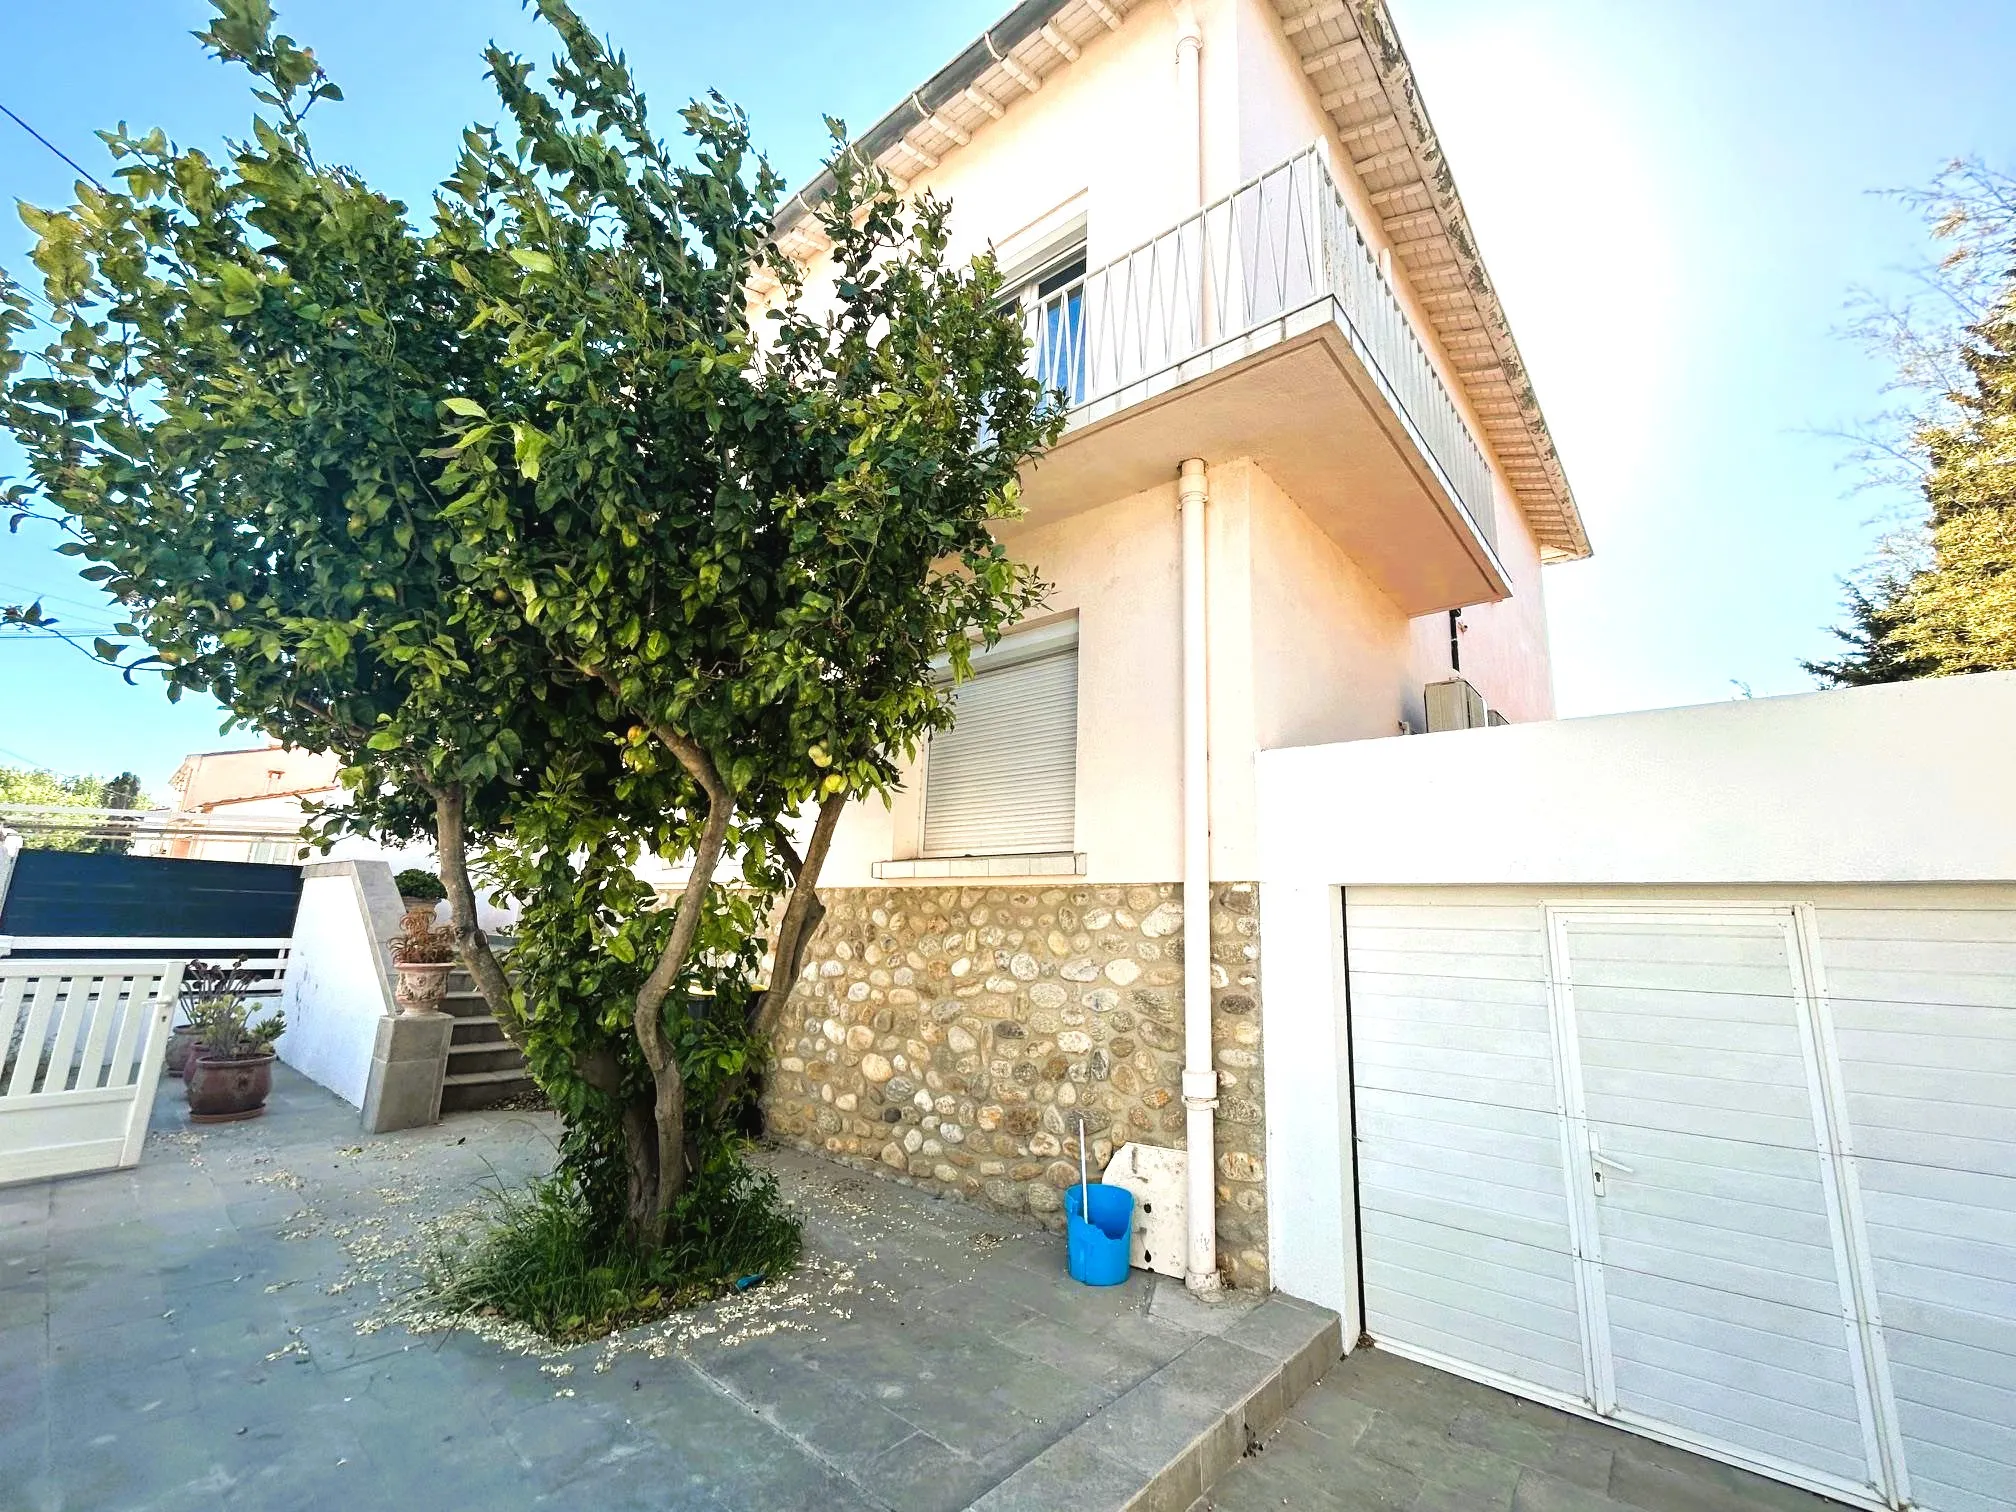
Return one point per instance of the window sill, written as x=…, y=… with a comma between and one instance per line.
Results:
x=932, y=868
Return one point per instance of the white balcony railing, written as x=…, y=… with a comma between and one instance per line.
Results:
x=1277, y=246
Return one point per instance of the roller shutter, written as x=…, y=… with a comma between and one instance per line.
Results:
x=1003, y=780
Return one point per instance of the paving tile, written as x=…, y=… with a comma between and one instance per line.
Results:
x=154, y=1299
x=1380, y=1432
x=1333, y=1414
x=738, y=1457
x=1580, y=1458
x=839, y=1426
x=1659, y=1478
x=920, y=1474
x=24, y=1315
x=1070, y=1473
x=88, y=1398
x=1109, y=1360
x=1300, y=1479
x=1540, y=1492
x=142, y=1466
x=1437, y=1459
x=555, y=1438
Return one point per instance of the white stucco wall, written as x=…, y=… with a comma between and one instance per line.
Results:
x=1902, y=783
x=338, y=975
x=1118, y=570
x=1505, y=649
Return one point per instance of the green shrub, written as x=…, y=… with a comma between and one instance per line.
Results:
x=415, y=883
x=546, y=1262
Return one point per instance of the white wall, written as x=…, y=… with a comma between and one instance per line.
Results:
x=1119, y=570
x=339, y=974
x=1902, y=783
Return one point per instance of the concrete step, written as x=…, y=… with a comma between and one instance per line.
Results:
x=464, y=1005
x=1162, y=1444
x=466, y=1091
x=491, y=1056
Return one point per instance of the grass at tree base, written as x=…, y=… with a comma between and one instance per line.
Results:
x=543, y=1263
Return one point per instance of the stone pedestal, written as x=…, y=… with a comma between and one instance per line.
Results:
x=408, y=1062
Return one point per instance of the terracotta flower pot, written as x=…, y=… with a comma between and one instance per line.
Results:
x=420, y=985
x=181, y=1045
x=225, y=1089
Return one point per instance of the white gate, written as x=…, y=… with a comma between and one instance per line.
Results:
x=1734, y=1170
x=1726, y=1289
x=81, y=1044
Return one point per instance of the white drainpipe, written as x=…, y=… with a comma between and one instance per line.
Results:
x=1189, y=102
x=1200, y=1080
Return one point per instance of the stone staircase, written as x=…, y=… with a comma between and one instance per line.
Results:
x=484, y=1068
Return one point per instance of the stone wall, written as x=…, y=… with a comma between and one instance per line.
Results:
x=953, y=1038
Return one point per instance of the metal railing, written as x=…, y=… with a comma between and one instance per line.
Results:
x=1272, y=248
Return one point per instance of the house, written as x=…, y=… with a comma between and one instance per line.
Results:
x=1305, y=495
x=244, y=805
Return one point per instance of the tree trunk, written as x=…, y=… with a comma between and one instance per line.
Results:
x=802, y=915
x=669, y=1102
x=471, y=944
x=640, y=1158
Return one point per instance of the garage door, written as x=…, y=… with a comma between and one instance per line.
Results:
x=1736, y=1172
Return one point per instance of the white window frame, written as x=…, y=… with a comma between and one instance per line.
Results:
x=1037, y=856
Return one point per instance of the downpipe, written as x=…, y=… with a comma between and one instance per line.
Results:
x=1200, y=1079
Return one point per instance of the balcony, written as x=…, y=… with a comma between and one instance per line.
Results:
x=1263, y=326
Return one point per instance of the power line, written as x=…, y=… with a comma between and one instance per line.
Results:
x=88, y=174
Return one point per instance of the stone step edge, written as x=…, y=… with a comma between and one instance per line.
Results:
x=1160, y=1446
x=478, y=1078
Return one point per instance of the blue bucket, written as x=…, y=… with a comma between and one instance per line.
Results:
x=1096, y=1252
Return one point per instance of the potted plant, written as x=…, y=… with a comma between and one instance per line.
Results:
x=201, y=981
x=419, y=891
x=423, y=953
x=230, y=1073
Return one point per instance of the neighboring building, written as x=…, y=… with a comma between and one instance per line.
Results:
x=246, y=805
x=1305, y=484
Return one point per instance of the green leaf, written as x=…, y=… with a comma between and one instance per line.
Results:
x=465, y=407
x=533, y=262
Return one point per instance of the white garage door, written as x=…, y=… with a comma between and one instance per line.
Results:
x=1737, y=1172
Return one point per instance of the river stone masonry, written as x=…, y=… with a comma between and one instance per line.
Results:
x=951, y=1038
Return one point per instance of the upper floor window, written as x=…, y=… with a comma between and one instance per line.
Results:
x=1052, y=299
x=1004, y=779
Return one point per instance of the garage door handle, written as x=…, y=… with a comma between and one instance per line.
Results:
x=1601, y=1161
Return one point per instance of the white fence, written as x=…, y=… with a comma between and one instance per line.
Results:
x=84, y=1041
x=1277, y=245
x=84, y=1024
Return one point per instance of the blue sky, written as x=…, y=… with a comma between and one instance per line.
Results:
x=1674, y=201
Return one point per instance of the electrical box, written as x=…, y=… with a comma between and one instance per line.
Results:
x=1454, y=705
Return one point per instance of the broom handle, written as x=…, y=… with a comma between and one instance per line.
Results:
x=1084, y=1180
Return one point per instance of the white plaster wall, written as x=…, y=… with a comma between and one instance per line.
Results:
x=1902, y=783
x=1310, y=1234
x=1118, y=569
x=1505, y=650
x=1899, y=784
x=1097, y=131
x=1331, y=651
x=338, y=976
